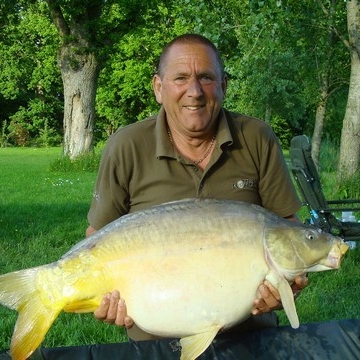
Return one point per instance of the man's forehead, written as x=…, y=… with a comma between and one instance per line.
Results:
x=183, y=57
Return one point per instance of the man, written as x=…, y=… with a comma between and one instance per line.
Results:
x=192, y=148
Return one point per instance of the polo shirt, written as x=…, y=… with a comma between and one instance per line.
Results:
x=140, y=167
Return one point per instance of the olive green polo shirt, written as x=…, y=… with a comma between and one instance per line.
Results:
x=141, y=168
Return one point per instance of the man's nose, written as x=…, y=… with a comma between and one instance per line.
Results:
x=194, y=87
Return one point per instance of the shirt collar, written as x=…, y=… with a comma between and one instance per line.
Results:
x=164, y=146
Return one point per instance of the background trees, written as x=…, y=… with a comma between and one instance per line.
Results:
x=350, y=135
x=76, y=70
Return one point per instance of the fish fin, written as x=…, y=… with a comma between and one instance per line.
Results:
x=32, y=324
x=194, y=345
x=287, y=297
x=18, y=291
x=83, y=306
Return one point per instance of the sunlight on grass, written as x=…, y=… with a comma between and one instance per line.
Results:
x=43, y=214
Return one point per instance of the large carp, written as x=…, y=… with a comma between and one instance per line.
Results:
x=186, y=269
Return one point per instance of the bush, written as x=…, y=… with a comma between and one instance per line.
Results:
x=4, y=136
x=350, y=188
x=87, y=162
x=282, y=131
x=329, y=156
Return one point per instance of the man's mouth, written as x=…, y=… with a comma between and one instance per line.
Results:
x=194, y=108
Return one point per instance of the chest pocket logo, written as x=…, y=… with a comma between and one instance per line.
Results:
x=246, y=183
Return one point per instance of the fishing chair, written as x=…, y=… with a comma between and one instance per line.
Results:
x=321, y=210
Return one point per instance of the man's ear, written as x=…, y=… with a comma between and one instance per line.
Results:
x=157, y=84
x=224, y=84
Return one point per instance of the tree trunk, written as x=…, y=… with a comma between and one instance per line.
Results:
x=79, y=73
x=80, y=69
x=319, y=122
x=350, y=134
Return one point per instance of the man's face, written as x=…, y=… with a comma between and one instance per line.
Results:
x=191, y=88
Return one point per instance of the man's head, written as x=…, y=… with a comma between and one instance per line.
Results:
x=190, y=84
x=189, y=39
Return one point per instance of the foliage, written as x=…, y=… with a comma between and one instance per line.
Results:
x=4, y=136
x=275, y=53
x=30, y=84
x=282, y=130
x=349, y=188
x=124, y=92
x=86, y=162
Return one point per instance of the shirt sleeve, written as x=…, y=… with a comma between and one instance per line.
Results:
x=276, y=187
x=110, y=199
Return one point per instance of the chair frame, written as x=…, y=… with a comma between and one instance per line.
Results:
x=320, y=209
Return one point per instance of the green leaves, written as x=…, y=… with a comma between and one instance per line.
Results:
x=275, y=53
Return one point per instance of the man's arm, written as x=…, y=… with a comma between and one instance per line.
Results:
x=89, y=231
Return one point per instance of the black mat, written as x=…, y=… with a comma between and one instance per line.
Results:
x=325, y=340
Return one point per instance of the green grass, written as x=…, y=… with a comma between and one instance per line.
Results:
x=43, y=213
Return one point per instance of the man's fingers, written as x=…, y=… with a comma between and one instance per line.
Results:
x=113, y=310
x=272, y=293
x=259, y=307
x=113, y=307
x=301, y=281
x=101, y=312
x=269, y=299
x=122, y=319
x=107, y=311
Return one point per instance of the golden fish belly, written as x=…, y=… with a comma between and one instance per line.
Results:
x=185, y=293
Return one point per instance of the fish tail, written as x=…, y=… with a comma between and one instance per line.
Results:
x=18, y=291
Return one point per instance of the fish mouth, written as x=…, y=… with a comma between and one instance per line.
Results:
x=335, y=255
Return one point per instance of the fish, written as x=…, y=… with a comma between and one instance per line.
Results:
x=187, y=269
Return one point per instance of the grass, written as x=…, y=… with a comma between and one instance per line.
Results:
x=43, y=213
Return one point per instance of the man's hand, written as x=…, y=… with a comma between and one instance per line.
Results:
x=269, y=298
x=113, y=310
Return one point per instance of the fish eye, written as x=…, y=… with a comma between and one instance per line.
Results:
x=310, y=235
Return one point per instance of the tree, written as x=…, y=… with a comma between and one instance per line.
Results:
x=87, y=29
x=30, y=86
x=328, y=55
x=350, y=135
x=266, y=64
x=79, y=67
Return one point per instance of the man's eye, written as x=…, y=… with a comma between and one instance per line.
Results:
x=180, y=80
x=206, y=80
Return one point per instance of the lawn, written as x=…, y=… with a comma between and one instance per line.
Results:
x=43, y=213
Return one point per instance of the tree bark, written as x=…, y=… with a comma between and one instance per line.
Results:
x=319, y=123
x=350, y=134
x=79, y=74
x=79, y=71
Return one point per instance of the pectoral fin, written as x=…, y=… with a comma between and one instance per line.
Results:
x=287, y=297
x=83, y=306
x=194, y=345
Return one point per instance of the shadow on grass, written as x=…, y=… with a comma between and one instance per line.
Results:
x=32, y=234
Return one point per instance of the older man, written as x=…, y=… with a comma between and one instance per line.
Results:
x=192, y=148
